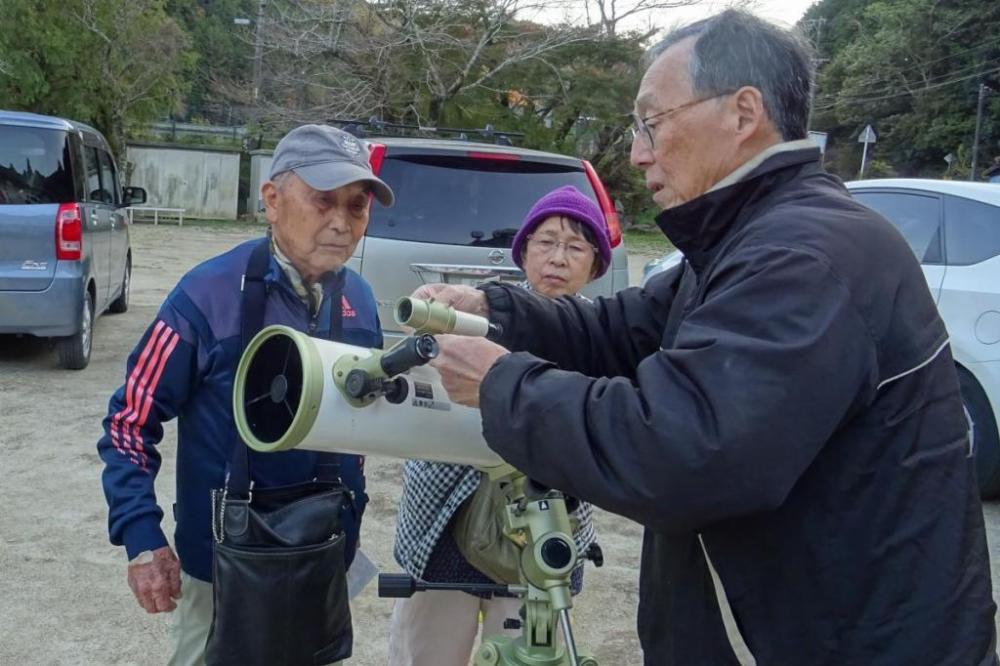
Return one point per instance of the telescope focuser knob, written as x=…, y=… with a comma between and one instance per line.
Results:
x=396, y=586
x=595, y=554
x=359, y=384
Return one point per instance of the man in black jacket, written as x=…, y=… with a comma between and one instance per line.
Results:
x=782, y=408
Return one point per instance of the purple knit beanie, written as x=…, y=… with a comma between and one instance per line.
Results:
x=572, y=203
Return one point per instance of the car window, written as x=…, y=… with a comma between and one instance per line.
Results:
x=94, y=192
x=918, y=218
x=109, y=183
x=34, y=166
x=972, y=230
x=465, y=201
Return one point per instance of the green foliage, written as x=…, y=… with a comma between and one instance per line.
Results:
x=912, y=69
x=104, y=62
x=647, y=241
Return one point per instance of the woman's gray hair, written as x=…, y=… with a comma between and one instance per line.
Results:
x=735, y=49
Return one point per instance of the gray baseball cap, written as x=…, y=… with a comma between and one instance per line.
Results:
x=327, y=158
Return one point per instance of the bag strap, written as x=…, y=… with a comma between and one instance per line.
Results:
x=253, y=303
x=252, y=309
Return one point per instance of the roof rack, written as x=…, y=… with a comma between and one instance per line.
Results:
x=376, y=127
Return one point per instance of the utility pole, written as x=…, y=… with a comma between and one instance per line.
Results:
x=817, y=25
x=257, y=57
x=979, y=121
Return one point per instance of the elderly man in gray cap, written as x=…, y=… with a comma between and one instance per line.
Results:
x=317, y=203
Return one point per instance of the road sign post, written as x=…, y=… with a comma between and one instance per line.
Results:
x=867, y=136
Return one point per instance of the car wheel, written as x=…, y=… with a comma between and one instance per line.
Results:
x=983, y=435
x=74, y=351
x=120, y=304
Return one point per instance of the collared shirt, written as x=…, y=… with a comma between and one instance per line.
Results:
x=311, y=294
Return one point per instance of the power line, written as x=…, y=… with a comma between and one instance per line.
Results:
x=934, y=79
x=904, y=93
x=881, y=79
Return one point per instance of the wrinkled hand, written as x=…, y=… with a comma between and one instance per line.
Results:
x=157, y=583
x=460, y=297
x=463, y=362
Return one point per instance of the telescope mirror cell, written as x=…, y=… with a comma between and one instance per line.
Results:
x=275, y=397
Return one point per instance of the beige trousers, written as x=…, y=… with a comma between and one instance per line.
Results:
x=191, y=621
x=439, y=628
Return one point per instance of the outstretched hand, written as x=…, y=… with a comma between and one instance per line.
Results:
x=463, y=363
x=460, y=297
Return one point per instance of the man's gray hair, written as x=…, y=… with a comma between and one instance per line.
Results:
x=280, y=180
x=735, y=49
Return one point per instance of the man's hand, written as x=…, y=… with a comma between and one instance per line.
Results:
x=156, y=583
x=463, y=362
x=460, y=297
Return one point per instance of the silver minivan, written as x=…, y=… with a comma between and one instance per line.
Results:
x=458, y=206
x=65, y=254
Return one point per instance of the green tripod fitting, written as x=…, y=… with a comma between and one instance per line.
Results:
x=538, y=522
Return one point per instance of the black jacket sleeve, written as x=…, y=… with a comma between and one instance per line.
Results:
x=606, y=338
x=722, y=424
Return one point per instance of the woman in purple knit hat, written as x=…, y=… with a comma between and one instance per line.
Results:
x=562, y=245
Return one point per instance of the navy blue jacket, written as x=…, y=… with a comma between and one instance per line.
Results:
x=184, y=366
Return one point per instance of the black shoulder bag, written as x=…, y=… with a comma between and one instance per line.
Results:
x=279, y=574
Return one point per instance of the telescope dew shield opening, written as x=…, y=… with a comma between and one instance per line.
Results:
x=286, y=396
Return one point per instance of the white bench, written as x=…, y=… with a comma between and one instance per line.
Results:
x=143, y=211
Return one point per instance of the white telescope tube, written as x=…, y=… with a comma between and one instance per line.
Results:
x=285, y=397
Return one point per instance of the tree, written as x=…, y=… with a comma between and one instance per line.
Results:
x=108, y=63
x=912, y=69
x=609, y=14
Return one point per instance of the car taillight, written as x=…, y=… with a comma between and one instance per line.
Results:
x=376, y=156
x=607, y=207
x=69, y=232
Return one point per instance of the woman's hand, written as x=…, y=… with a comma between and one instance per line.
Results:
x=460, y=297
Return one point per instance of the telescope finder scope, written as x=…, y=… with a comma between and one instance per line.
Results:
x=430, y=316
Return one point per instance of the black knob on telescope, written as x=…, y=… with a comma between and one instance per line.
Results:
x=396, y=586
x=413, y=351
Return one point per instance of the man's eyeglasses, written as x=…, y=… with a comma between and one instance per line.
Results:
x=575, y=250
x=640, y=125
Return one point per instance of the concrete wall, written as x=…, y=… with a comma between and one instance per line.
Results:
x=203, y=181
x=260, y=168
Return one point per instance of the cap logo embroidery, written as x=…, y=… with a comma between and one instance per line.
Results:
x=350, y=145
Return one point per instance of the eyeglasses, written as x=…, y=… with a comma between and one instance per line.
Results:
x=640, y=125
x=575, y=250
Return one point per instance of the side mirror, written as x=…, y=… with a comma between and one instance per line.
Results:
x=133, y=196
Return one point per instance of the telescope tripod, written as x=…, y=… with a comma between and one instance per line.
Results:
x=537, y=521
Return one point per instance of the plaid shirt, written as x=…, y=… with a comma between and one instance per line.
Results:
x=432, y=493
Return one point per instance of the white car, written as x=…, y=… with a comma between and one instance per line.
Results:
x=954, y=229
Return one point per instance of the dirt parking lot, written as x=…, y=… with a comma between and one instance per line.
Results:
x=63, y=595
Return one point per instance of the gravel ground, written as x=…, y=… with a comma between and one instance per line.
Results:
x=63, y=595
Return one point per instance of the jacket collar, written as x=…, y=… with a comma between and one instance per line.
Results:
x=698, y=227
x=284, y=272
